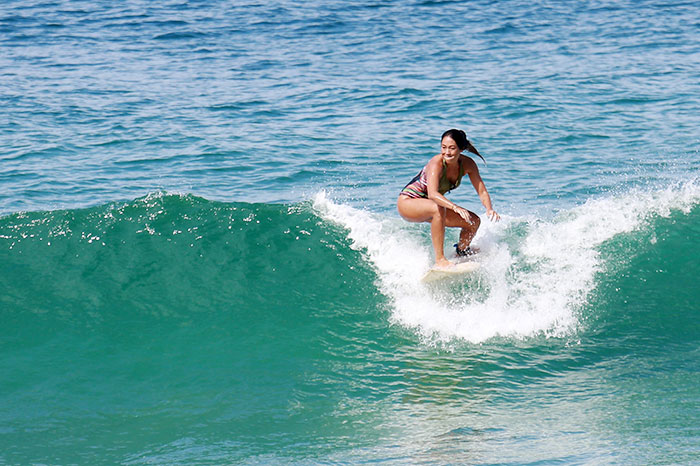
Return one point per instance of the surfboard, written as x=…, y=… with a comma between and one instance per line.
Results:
x=440, y=273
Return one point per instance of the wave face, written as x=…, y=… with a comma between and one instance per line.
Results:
x=231, y=327
x=174, y=258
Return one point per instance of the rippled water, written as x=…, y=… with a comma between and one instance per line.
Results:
x=273, y=101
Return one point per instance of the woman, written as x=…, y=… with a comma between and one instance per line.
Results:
x=423, y=199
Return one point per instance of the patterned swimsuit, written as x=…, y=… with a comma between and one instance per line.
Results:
x=417, y=188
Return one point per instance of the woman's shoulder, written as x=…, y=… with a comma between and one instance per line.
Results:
x=435, y=159
x=468, y=163
x=434, y=165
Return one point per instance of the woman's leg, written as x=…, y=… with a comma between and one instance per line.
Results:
x=425, y=210
x=437, y=234
x=467, y=233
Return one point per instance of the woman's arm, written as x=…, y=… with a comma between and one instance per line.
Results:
x=473, y=171
x=434, y=173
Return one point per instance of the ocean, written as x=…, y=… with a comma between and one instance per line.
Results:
x=201, y=260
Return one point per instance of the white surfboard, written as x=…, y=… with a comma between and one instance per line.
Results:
x=440, y=273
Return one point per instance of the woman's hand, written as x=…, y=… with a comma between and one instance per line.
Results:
x=493, y=215
x=464, y=213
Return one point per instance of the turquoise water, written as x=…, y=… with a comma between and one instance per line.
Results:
x=201, y=262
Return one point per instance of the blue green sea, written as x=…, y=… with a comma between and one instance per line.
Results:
x=201, y=260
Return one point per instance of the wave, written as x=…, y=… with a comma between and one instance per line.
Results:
x=169, y=257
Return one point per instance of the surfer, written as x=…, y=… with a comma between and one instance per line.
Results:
x=423, y=198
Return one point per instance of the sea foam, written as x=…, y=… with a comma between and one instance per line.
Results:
x=535, y=274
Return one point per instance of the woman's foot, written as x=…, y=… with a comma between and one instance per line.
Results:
x=443, y=263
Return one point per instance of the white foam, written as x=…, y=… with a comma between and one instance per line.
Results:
x=535, y=275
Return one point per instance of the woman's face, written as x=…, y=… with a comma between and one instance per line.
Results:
x=450, y=150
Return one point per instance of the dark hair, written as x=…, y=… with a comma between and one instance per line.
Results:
x=459, y=136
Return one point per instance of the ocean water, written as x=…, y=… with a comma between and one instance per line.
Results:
x=201, y=261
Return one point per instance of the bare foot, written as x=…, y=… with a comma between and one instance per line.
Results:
x=443, y=263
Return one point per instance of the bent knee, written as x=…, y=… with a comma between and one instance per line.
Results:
x=476, y=220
